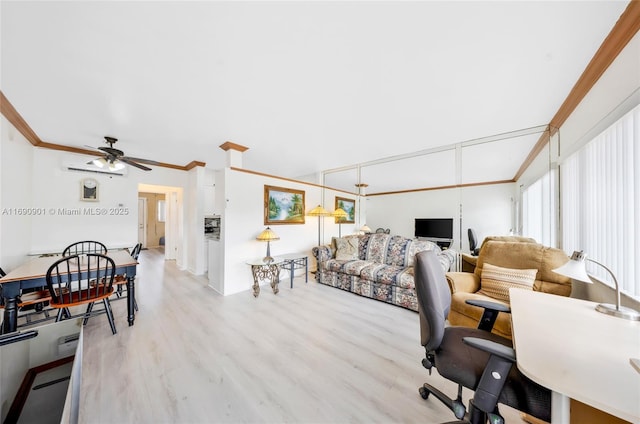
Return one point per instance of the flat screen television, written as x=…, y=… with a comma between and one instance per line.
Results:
x=434, y=228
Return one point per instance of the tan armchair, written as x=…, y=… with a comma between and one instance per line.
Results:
x=516, y=253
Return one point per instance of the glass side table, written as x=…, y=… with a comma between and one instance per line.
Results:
x=265, y=271
x=293, y=261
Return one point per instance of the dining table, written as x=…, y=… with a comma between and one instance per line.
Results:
x=33, y=273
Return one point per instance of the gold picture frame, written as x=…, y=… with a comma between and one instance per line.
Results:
x=349, y=206
x=283, y=206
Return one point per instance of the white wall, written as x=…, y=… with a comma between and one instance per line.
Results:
x=194, y=226
x=398, y=211
x=487, y=209
x=111, y=220
x=57, y=190
x=16, y=165
x=243, y=220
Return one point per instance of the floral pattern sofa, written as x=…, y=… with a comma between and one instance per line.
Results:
x=383, y=269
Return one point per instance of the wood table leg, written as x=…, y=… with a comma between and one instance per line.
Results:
x=131, y=298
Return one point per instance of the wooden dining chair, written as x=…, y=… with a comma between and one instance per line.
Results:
x=2, y=274
x=82, y=280
x=87, y=246
x=120, y=281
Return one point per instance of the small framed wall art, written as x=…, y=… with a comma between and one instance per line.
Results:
x=349, y=206
x=283, y=206
x=89, y=190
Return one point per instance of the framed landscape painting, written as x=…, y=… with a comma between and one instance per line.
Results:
x=283, y=206
x=349, y=206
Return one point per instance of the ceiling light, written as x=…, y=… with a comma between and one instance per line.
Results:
x=116, y=166
x=100, y=162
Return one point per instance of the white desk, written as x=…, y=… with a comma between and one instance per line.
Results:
x=566, y=345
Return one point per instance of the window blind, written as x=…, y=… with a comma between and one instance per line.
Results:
x=600, y=202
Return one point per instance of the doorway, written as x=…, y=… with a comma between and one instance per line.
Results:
x=152, y=218
x=142, y=221
x=164, y=226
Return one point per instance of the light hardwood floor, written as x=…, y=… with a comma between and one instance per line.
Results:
x=311, y=354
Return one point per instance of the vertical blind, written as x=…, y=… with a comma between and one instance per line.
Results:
x=600, y=202
x=538, y=210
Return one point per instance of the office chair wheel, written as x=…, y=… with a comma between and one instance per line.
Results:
x=495, y=418
x=423, y=392
x=459, y=410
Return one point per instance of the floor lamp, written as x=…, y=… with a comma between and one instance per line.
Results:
x=318, y=211
x=340, y=214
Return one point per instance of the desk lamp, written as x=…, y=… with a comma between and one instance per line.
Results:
x=340, y=214
x=267, y=235
x=318, y=211
x=575, y=269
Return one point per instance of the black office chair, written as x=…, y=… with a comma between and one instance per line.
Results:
x=471, y=357
x=69, y=285
x=81, y=247
x=473, y=242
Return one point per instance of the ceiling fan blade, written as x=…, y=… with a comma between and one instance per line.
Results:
x=112, y=151
x=132, y=163
x=91, y=147
x=147, y=161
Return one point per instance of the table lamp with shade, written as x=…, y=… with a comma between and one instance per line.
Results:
x=318, y=211
x=576, y=270
x=365, y=229
x=340, y=215
x=268, y=235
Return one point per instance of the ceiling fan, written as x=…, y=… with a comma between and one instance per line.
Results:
x=115, y=159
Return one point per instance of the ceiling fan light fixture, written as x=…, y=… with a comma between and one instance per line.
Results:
x=100, y=162
x=116, y=166
x=115, y=160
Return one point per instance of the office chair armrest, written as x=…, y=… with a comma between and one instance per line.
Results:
x=487, y=304
x=492, y=348
x=494, y=376
x=490, y=312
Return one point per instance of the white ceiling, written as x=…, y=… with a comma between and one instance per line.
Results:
x=307, y=86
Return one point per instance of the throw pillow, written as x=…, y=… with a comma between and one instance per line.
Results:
x=496, y=281
x=333, y=247
x=347, y=249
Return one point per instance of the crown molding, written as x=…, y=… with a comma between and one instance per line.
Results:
x=12, y=115
x=623, y=31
